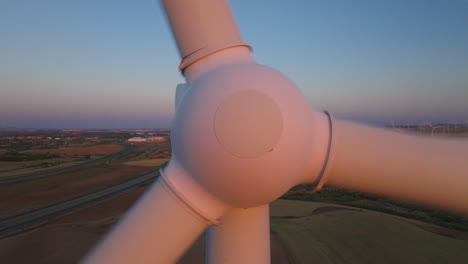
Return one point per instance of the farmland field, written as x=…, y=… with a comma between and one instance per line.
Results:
x=10, y=169
x=14, y=163
x=327, y=233
x=98, y=150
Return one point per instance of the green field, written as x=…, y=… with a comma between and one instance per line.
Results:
x=147, y=162
x=352, y=235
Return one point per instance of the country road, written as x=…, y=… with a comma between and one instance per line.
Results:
x=16, y=223
x=35, y=175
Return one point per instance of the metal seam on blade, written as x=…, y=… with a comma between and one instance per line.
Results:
x=191, y=210
x=206, y=51
x=316, y=184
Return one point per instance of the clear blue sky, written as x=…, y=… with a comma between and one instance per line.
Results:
x=113, y=64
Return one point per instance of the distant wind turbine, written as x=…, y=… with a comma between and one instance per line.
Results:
x=432, y=127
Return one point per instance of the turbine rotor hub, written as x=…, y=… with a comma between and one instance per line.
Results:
x=245, y=133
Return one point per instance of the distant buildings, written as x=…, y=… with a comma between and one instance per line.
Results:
x=137, y=139
x=147, y=139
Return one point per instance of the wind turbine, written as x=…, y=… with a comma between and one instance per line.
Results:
x=432, y=127
x=243, y=135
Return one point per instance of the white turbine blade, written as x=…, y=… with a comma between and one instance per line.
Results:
x=158, y=229
x=201, y=28
x=412, y=168
x=242, y=236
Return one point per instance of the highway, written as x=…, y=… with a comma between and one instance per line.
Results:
x=35, y=175
x=17, y=223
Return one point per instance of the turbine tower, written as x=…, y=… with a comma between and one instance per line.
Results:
x=243, y=135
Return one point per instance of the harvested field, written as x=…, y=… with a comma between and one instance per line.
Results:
x=312, y=233
x=67, y=239
x=24, y=196
x=80, y=151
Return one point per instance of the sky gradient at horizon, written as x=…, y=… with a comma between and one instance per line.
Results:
x=113, y=64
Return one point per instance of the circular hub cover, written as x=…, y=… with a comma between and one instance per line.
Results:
x=248, y=124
